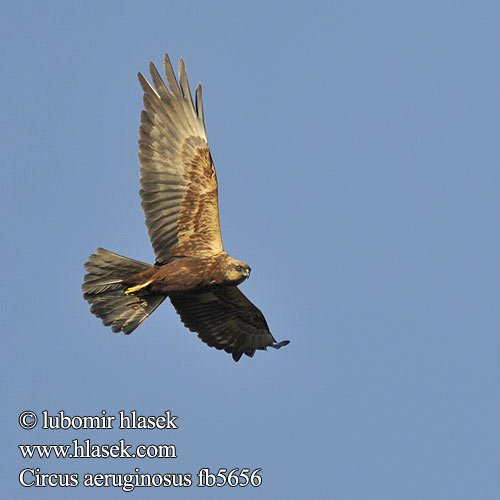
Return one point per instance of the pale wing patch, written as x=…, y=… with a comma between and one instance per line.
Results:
x=198, y=227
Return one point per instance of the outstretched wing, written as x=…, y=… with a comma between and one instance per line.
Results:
x=178, y=181
x=225, y=319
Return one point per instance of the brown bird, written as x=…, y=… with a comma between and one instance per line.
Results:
x=179, y=199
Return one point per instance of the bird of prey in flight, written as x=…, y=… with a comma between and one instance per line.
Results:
x=179, y=199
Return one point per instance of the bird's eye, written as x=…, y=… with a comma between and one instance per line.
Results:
x=239, y=268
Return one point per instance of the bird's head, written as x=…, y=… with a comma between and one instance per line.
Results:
x=237, y=271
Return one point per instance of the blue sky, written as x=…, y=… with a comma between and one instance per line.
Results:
x=356, y=147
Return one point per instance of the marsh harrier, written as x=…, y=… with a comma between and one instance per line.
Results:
x=179, y=199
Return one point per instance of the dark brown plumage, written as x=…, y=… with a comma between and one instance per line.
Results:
x=179, y=199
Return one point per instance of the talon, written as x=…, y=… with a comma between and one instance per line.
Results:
x=133, y=289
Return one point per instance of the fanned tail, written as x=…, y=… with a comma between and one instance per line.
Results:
x=104, y=289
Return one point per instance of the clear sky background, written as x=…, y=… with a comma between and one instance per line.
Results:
x=357, y=151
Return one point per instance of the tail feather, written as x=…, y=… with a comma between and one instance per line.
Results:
x=104, y=288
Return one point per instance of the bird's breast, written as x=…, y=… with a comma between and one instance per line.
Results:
x=186, y=274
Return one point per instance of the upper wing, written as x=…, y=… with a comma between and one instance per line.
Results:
x=178, y=181
x=225, y=319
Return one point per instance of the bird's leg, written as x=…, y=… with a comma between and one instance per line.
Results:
x=133, y=289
